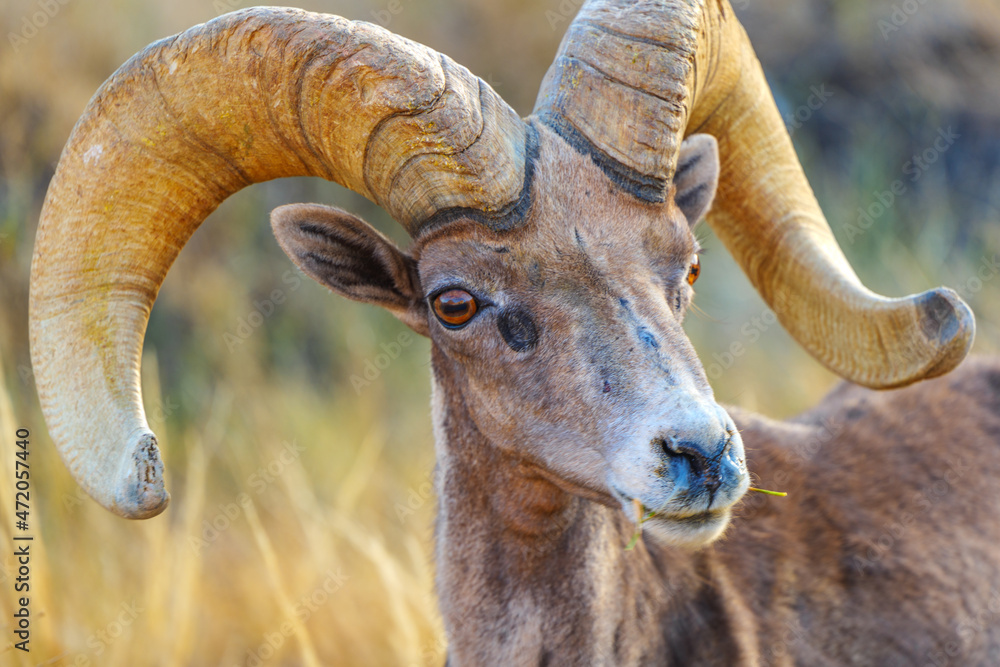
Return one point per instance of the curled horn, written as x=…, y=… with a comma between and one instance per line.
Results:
x=251, y=96
x=632, y=79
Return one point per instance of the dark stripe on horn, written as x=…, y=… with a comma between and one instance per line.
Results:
x=648, y=188
x=506, y=219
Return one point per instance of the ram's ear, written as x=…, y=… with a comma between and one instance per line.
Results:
x=697, y=176
x=349, y=256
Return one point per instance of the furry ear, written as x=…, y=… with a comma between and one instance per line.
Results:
x=697, y=176
x=349, y=256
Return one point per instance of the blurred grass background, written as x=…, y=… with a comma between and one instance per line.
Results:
x=300, y=526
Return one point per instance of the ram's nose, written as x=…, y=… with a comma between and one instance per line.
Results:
x=703, y=456
x=696, y=471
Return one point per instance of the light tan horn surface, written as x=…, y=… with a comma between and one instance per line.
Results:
x=251, y=96
x=768, y=218
x=631, y=79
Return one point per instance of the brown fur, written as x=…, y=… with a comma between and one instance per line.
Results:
x=889, y=537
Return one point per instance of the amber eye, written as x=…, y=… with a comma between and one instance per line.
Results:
x=455, y=307
x=695, y=269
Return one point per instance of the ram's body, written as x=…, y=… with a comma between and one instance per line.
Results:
x=883, y=553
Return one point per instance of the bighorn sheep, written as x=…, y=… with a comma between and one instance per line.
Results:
x=551, y=267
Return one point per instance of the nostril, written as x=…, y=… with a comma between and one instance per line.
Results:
x=688, y=451
x=701, y=466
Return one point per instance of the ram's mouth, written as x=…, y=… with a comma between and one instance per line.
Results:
x=686, y=527
x=692, y=520
x=673, y=509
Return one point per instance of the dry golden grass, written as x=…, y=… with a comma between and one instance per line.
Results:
x=308, y=556
x=320, y=552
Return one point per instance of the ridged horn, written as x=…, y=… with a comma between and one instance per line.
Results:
x=631, y=79
x=251, y=96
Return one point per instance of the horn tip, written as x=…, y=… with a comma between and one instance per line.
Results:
x=948, y=325
x=140, y=492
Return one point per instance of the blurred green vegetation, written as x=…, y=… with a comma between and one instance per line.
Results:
x=354, y=499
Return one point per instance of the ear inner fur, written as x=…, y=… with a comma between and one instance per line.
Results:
x=697, y=176
x=347, y=255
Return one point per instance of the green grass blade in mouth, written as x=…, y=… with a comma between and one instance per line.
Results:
x=770, y=493
x=639, y=520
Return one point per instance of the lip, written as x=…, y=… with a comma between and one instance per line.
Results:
x=693, y=518
x=696, y=520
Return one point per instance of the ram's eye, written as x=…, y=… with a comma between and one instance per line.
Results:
x=455, y=307
x=695, y=270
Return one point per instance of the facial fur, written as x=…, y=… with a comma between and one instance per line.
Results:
x=576, y=360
